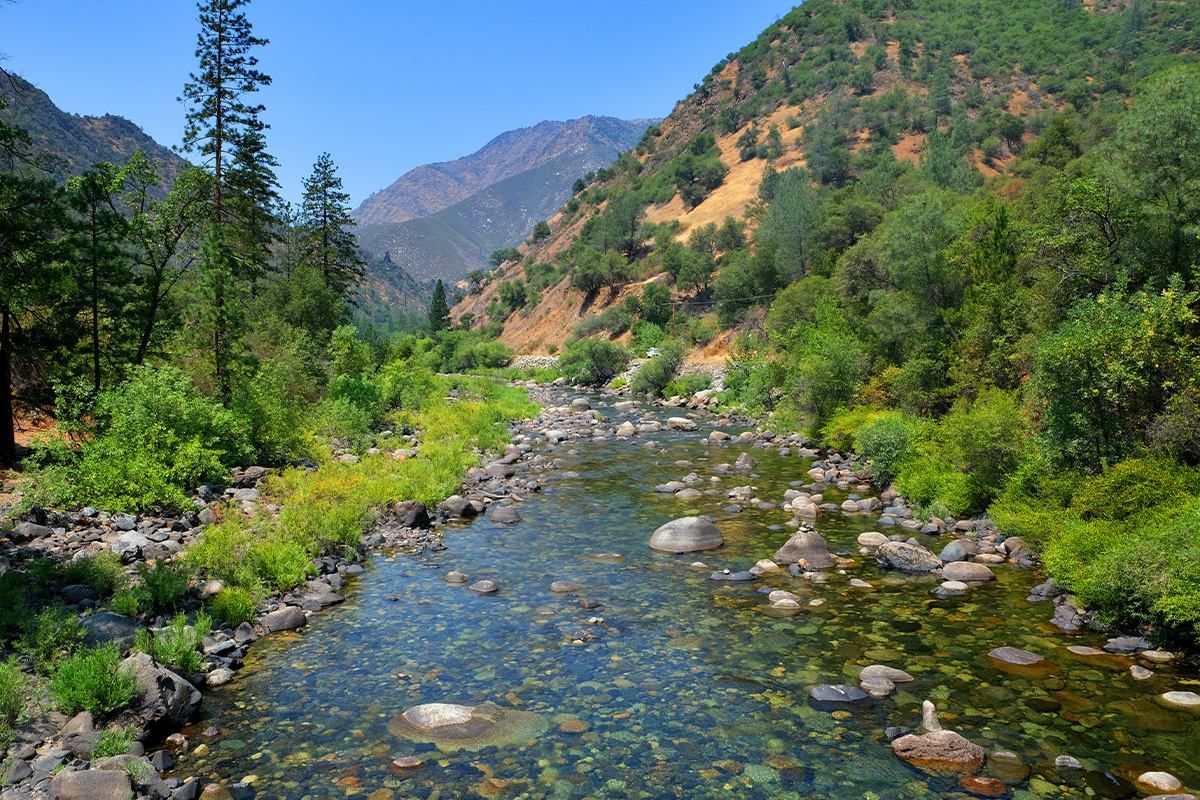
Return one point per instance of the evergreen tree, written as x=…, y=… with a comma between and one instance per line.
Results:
x=439, y=310
x=325, y=216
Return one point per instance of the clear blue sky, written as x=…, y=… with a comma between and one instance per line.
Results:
x=385, y=86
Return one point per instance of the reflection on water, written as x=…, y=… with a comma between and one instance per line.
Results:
x=690, y=688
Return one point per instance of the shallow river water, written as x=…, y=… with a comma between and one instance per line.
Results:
x=692, y=688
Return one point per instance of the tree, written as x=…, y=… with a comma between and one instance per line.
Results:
x=325, y=217
x=541, y=232
x=439, y=310
x=656, y=304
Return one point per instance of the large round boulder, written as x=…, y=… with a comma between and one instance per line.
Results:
x=907, y=557
x=806, y=548
x=967, y=571
x=687, y=535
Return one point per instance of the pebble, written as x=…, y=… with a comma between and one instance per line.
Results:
x=574, y=726
x=1158, y=782
x=1140, y=673
x=408, y=762
x=564, y=587
x=1180, y=699
x=483, y=587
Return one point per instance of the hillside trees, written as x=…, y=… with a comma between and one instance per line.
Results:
x=325, y=220
x=439, y=310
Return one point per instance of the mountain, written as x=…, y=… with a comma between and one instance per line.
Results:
x=77, y=142
x=391, y=300
x=430, y=188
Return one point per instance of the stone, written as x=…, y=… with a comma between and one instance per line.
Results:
x=1180, y=699
x=80, y=723
x=681, y=424
x=786, y=604
x=484, y=587
x=967, y=571
x=983, y=787
x=459, y=506
x=207, y=590
x=18, y=771
x=907, y=557
x=1016, y=657
x=564, y=587
x=1140, y=673
x=687, y=535
x=951, y=589
x=626, y=428
x=76, y=593
x=408, y=762
x=245, y=634
x=284, y=619
x=219, y=676
x=888, y=673
x=1161, y=656
x=830, y=695
x=455, y=576
x=953, y=552
x=30, y=530
x=938, y=751
x=806, y=548
x=93, y=784
x=105, y=627
x=458, y=727
x=1007, y=766
x=574, y=726
x=1127, y=644
x=507, y=515
x=166, y=698
x=858, y=583
x=580, y=404
x=410, y=514
x=745, y=461
x=780, y=594
x=871, y=539
x=1160, y=782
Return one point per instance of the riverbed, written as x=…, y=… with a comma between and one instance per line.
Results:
x=676, y=685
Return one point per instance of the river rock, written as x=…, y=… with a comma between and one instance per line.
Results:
x=626, y=428
x=1160, y=782
x=1161, y=656
x=458, y=727
x=507, y=515
x=967, y=571
x=687, y=535
x=284, y=619
x=907, y=557
x=1140, y=673
x=1127, y=644
x=1016, y=657
x=983, y=787
x=871, y=539
x=166, y=698
x=938, y=751
x=836, y=695
x=454, y=576
x=745, y=461
x=1180, y=699
x=92, y=784
x=681, y=424
x=484, y=587
x=105, y=627
x=564, y=587
x=219, y=676
x=410, y=514
x=580, y=404
x=806, y=548
x=888, y=673
x=953, y=552
x=459, y=506
x=780, y=594
x=785, y=605
x=951, y=589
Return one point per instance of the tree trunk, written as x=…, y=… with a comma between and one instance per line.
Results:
x=8, y=430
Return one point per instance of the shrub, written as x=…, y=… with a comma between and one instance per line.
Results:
x=656, y=373
x=13, y=591
x=234, y=606
x=176, y=646
x=884, y=441
x=13, y=684
x=986, y=439
x=593, y=362
x=701, y=333
x=646, y=335
x=92, y=680
x=925, y=480
x=104, y=572
x=840, y=432
x=54, y=634
x=166, y=583
x=131, y=602
x=587, y=326
x=687, y=385
x=116, y=742
x=1134, y=487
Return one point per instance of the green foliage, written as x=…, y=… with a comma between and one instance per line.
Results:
x=657, y=373
x=929, y=481
x=166, y=582
x=840, y=431
x=116, y=742
x=986, y=438
x=103, y=572
x=131, y=602
x=177, y=646
x=593, y=362
x=687, y=385
x=14, y=589
x=92, y=680
x=656, y=304
x=13, y=686
x=233, y=606
x=54, y=635
x=885, y=440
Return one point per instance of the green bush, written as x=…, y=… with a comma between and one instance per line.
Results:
x=593, y=362
x=176, y=646
x=656, y=373
x=13, y=599
x=55, y=633
x=166, y=582
x=646, y=335
x=116, y=742
x=13, y=685
x=340, y=417
x=687, y=385
x=92, y=680
x=1134, y=487
x=928, y=481
x=986, y=439
x=104, y=572
x=233, y=606
x=884, y=440
x=131, y=602
x=840, y=431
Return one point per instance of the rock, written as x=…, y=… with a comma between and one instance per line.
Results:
x=284, y=619
x=484, y=587
x=105, y=627
x=554, y=436
x=1140, y=673
x=888, y=673
x=1160, y=782
x=455, y=576
x=458, y=727
x=951, y=589
x=806, y=548
x=219, y=676
x=1016, y=657
x=983, y=787
x=161, y=760
x=938, y=751
x=459, y=506
x=410, y=514
x=687, y=535
x=564, y=587
x=30, y=530
x=93, y=784
x=745, y=461
x=953, y=552
x=245, y=634
x=207, y=590
x=507, y=515
x=871, y=539
x=836, y=695
x=18, y=771
x=858, y=583
x=626, y=428
x=967, y=571
x=1161, y=656
x=580, y=404
x=681, y=424
x=1067, y=762
x=76, y=593
x=907, y=557
x=780, y=594
x=166, y=698
x=1127, y=644
x=1007, y=766
x=80, y=723
x=1180, y=699
x=786, y=605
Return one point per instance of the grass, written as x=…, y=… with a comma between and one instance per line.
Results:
x=166, y=583
x=54, y=635
x=233, y=606
x=92, y=680
x=104, y=572
x=13, y=684
x=327, y=511
x=116, y=742
x=176, y=646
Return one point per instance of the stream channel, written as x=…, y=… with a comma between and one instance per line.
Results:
x=692, y=688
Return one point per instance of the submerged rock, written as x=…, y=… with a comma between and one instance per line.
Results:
x=458, y=727
x=967, y=571
x=938, y=751
x=806, y=548
x=907, y=557
x=687, y=535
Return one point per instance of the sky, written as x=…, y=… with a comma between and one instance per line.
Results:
x=384, y=86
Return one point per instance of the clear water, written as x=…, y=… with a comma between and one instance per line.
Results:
x=692, y=688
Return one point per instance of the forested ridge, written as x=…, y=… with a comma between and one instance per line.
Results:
x=971, y=256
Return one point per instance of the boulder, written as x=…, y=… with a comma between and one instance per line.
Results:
x=507, y=515
x=484, y=587
x=626, y=428
x=166, y=698
x=967, y=571
x=687, y=535
x=76, y=593
x=907, y=557
x=806, y=548
x=30, y=530
x=681, y=424
x=284, y=619
x=93, y=784
x=745, y=461
x=1016, y=657
x=105, y=627
x=827, y=697
x=459, y=506
x=564, y=587
x=410, y=514
x=871, y=539
x=938, y=751
x=889, y=673
x=953, y=552
x=580, y=404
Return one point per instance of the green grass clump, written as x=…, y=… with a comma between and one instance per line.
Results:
x=131, y=602
x=13, y=684
x=116, y=742
x=104, y=572
x=54, y=635
x=233, y=606
x=166, y=582
x=176, y=646
x=92, y=680
x=13, y=600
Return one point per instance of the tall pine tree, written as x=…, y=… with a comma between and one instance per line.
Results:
x=439, y=310
x=325, y=217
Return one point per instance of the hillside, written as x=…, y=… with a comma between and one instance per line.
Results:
x=390, y=299
x=77, y=142
x=432, y=187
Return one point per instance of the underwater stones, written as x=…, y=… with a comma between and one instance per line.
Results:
x=506, y=515
x=219, y=676
x=1161, y=656
x=456, y=577
x=831, y=696
x=284, y=619
x=1007, y=766
x=938, y=751
x=457, y=727
x=1183, y=700
x=1016, y=657
x=687, y=494
x=484, y=587
x=574, y=726
x=871, y=539
x=984, y=787
x=781, y=594
x=687, y=535
x=967, y=571
x=408, y=762
x=587, y=603
x=907, y=557
x=1160, y=782
x=806, y=548
x=1140, y=673
x=564, y=587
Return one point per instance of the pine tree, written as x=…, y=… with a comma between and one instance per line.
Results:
x=439, y=310
x=325, y=216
